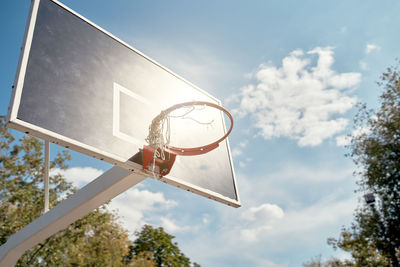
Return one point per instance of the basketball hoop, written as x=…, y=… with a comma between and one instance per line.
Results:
x=159, y=156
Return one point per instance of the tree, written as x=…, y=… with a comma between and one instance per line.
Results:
x=362, y=251
x=374, y=237
x=94, y=239
x=156, y=243
x=332, y=262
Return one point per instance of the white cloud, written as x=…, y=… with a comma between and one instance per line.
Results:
x=324, y=212
x=261, y=218
x=345, y=140
x=252, y=234
x=303, y=224
x=292, y=208
x=171, y=226
x=243, y=144
x=79, y=176
x=298, y=101
x=362, y=130
x=206, y=219
x=237, y=151
x=369, y=48
x=265, y=212
x=133, y=206
x=253, y=242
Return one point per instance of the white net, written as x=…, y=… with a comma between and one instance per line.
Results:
x=159, y=136
x=156, y=138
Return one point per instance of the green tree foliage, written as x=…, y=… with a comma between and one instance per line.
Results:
x=374, y=237
x=332, y=262
x=95, y=240
x=156, y=243
x=363, y=252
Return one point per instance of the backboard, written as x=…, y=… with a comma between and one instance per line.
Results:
x=83, y=88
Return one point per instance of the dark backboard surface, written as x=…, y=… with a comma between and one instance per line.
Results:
x=83, y=88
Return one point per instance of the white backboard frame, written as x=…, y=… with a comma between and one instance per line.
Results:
x=14, y=122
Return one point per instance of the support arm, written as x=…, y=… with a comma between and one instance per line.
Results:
x=99, y=191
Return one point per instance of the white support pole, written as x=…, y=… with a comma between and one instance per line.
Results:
x=102, y=189
x=46, y=175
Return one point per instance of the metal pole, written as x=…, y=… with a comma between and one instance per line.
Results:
x=46, y=175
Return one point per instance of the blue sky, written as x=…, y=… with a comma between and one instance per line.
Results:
x=291, y=72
